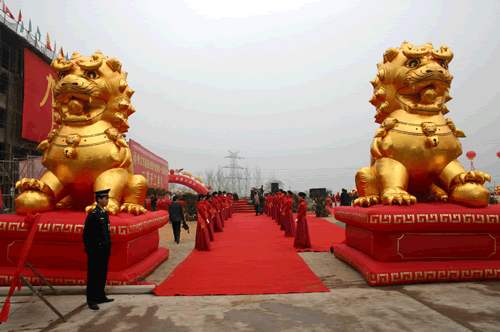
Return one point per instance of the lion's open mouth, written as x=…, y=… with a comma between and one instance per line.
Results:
x=424, y=95
x=76, y=107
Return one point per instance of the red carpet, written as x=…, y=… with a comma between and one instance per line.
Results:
x=250, y=257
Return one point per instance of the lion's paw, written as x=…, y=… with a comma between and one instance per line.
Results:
x=30, y=184
x=32, y=201
x=111, y=208
x=64, y=206
x=367, y=200
x=132, y=209
x=89, y=208
x=474, y=176
x=397, y=196
x=439, y=198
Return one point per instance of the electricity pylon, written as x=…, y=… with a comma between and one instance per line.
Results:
x=234, y=174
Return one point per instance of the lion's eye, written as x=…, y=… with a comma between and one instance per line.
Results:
x=412, y=63
x=443, y=64
x=62, y=75
x=92, y=74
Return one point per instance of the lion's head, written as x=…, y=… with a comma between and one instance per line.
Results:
x=412, y=78
x=90, y=89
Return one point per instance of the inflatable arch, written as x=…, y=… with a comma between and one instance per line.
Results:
x=188, y=182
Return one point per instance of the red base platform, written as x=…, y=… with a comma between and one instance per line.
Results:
x=425, y=242
x=57, y=250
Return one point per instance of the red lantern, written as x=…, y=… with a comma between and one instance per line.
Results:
x=172, y=172
x=471, y=155
x=498, y=154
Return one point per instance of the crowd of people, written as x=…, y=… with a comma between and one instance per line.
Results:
x=213, y=210
x=279, y=206
x=344, y=199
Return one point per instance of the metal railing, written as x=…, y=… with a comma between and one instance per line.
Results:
x=31, y=39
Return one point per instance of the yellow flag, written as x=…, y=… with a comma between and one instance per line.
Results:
x=48, y=39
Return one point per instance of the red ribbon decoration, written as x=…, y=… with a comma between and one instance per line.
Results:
x=31, y=224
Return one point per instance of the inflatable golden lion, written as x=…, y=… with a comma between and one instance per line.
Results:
x=415, y=150
x=88, y=152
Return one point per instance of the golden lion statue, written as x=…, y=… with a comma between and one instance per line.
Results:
x=88, y=152
x=415, y=150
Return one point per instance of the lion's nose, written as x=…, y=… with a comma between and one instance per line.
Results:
x=430, y=71
x=69, y=84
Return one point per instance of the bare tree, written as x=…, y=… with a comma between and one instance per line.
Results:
x=257, y=175
x=209, y=177
x=220, y=179
x=247, y=180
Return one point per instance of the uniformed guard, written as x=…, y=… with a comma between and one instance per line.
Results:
x=97, y=240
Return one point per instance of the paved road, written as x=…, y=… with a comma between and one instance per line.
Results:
x=352, y=305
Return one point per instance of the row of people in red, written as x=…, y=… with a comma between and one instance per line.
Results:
x=213, y=211
x=279, y=205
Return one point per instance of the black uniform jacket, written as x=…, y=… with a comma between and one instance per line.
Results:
x=175, y=211
x=96, y=233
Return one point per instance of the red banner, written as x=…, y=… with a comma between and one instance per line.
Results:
x=149, y=165
x=39, y=79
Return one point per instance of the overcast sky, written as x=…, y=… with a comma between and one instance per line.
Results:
x=284, y=82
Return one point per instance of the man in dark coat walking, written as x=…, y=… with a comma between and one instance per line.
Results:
x=176, y=215
x=97, y=241
x=153, y=202
x=345, y=198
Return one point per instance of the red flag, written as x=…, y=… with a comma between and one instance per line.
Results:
x=7, y=11
x=62, y=53
x=20, y=16
x=48, y=42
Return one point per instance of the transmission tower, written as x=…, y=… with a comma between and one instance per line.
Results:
x=234, y=174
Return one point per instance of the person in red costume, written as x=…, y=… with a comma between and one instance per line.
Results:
x=270, y=205
x=230, y=201
x=228, y=206
x=202, y=237
x=265, y=204
x=216, y=211
x=277, y=200
x=211, y=230
x=283, y=201
x=224, y=205
x=337, y=199
x=287, y=213
x=221, y=210
x=302, y=239
x=275, y=204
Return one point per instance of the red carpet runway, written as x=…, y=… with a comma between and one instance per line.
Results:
x=251, y=256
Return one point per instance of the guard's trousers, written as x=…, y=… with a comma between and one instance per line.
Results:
x=97, y=273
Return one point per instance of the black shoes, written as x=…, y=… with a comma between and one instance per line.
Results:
x=93, y=306
x=105, y=301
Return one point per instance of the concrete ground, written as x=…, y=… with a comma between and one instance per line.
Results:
x=352, y=305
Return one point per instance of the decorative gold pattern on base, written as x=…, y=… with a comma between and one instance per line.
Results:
x=420, y=218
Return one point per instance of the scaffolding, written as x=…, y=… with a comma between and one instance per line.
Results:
x=13, y=148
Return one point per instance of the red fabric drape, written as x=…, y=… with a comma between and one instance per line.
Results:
x=31, y=222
